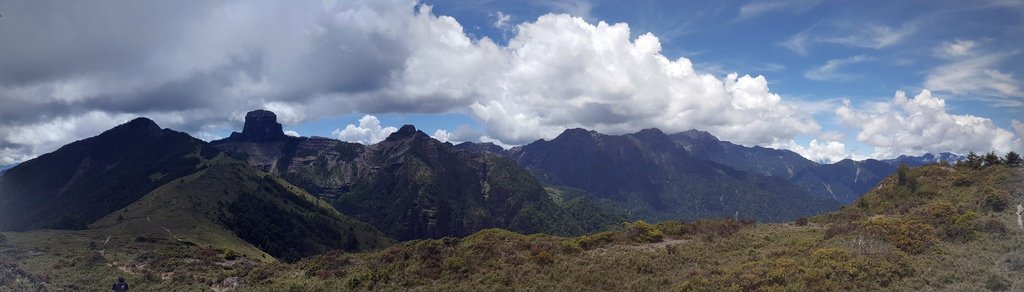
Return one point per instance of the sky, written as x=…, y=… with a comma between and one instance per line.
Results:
x=827, y=79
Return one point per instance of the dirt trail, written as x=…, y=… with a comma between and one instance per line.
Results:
x=1020, y=212
x=164, y=228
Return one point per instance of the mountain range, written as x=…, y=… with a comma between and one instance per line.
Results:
x=267, y=193
x=408, y=186
x=138, y=180
x=843, y=181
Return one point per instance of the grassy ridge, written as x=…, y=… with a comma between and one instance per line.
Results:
x=928, y=228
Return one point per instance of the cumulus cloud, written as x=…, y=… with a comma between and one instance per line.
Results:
x=830, y=70
x=369, y=131
x=462, y=133
x=292, y=133
x=921, y=124
x=563, y=72
x=821, y=152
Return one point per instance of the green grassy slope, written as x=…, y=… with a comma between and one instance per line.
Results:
x=936, y=228
x=230, y=205
x=85, y=180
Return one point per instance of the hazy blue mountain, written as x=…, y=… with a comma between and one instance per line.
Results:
x=844, y=181
x=925, y=159
x=653, y=176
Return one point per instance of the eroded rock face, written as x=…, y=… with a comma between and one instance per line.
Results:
x=261, y=126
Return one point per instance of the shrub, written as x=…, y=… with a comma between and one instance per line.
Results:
x=996, y=202
x=909, y=236
x=1015, y=262
x=994, y=226
x=904, y=178
x=802, y=221
x=998, y=282
x=588, y=242
x=672, y=228
x=716, y=228
x=641, y=231
x=230, y=254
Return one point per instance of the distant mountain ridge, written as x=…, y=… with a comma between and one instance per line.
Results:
x=925, y=159
x=649, y=173
x=843, y=181
x=409, y=185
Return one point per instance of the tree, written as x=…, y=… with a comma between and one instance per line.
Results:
x=972, y=160
x=992, y=159
x=1013, y=159
x=904, y=178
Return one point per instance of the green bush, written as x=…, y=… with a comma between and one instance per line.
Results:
x=907, y=235
x=592, y=241
x=996, y=202
x=998, y=282
x=641, y=231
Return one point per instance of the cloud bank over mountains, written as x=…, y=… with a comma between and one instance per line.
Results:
x=81, y=67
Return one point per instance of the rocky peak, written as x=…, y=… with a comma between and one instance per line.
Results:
x=698, y=135
x=137, y=127
x=575, y=133
x=405, y=132
x=262, y=125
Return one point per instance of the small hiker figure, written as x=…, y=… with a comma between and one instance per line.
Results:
x=120, y=285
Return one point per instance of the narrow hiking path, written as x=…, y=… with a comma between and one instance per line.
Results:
x=1020, y=212
x=164, y=228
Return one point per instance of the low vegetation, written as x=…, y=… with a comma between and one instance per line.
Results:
x=930, y=228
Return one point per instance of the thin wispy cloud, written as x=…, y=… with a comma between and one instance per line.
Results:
x=872, y=36
x=975, y=73
x=831, y=69
x=755, y=9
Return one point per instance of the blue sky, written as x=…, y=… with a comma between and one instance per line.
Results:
x=827, y=79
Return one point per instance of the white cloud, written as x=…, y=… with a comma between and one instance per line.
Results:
x=829, y=71
x=486, y=139
x=797, y=43
x=292, y=133
x=443, y=136
x=368, y=132
x=754, y=9
x=1018, y=128
x=954, y=49
x=562, y=72
x=462, y=133
x=974, y=74
x=922, y=124
x=502, y=21
x=871, y=36
x=821, y=152
x=31, y=140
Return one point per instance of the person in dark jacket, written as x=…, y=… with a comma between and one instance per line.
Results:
x=120, y=285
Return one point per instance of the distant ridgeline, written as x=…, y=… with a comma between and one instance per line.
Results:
x=411, y=186
x=648, y=167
